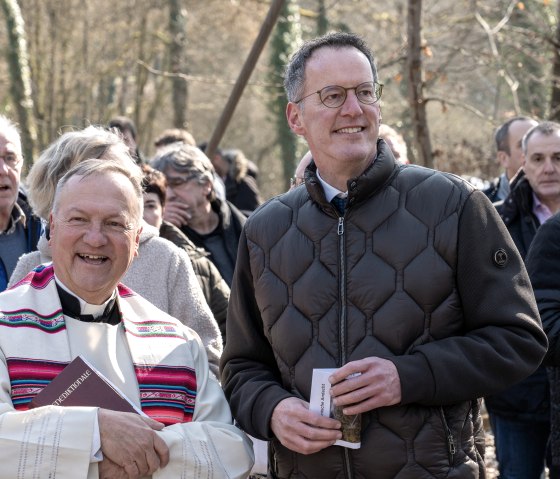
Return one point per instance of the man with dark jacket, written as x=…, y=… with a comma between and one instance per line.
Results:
x=192, y=206
x=402, y=279
x=520, y=415
x=19, y=228
x=543, y=266
x=509, y=154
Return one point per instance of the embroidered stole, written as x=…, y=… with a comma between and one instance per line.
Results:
x=36, y=347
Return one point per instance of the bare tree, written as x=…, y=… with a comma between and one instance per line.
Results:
x=416, y=84
x=555, y=97
x=20, y=77
x=177, y=30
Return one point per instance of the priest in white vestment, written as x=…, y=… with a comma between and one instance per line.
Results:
x=76, y=306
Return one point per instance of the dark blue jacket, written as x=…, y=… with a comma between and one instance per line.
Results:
x=528, y=400
x=33, y=230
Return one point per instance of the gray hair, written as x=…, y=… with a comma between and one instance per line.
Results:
x=10, y=130
x=99, y=167
x=294, y=75
x=545, y=128
x=63, y=154
x=186, y=159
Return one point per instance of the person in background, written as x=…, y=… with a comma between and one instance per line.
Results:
x=520, y=415
x=95, y=228
x=299, y=172
x=192, y=206
x=509, y=154
x=543, y=266
x=241, y=188
x=419, y=306
x=215, y=289
x=20, y=229
x=174, y=135
x=126, y=127
x=162, y=273
x=396, y=142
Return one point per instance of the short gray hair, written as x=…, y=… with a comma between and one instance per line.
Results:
x=98, y=167
x=294, y=75
x=10, y=130
x=187, y=159
x=545, y=128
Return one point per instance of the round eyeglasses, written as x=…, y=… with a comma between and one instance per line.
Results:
x=333, y=96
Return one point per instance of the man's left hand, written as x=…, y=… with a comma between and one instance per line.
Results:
x=377, y=385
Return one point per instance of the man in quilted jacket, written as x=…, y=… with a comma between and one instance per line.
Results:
x=401, y=280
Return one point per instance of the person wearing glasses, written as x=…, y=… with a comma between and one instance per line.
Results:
x=20, y=229
x=407, y=287
x=192, y=205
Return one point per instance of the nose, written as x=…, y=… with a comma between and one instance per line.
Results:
x=3, y=167
x=548, y=166
x=170, y=193
x=351, y=105
x=95, y=235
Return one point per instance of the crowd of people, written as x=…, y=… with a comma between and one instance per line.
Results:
x=420, y=295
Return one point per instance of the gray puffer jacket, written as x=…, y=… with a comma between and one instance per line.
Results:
x=420, y=270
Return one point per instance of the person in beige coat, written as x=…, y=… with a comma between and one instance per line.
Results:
x=162, y=273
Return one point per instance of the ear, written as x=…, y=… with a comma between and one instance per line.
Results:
x=51, y=226
x=207, y=188
x=137, y=241
x=295, y=120
x=502, y=158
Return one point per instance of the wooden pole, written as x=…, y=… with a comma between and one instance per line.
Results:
x=243, y=78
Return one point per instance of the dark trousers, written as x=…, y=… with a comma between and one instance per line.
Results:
x=521, y=448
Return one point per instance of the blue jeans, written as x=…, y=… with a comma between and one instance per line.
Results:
x=521, y=447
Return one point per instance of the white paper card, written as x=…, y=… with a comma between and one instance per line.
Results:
x=320, y=400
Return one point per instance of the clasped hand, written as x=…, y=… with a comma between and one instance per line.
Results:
x=131, y=448
x=366, y=384
x=303, y=431
x=177, y=213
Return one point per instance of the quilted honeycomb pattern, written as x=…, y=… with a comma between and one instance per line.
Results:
x=398, y=278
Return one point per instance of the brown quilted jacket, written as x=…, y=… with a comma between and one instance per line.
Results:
x=409, y=273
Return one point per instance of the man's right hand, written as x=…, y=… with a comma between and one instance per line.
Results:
x=301, y=430
x=176, y=213
x=129, y=441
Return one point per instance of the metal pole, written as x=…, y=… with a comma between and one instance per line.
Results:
x=243, y=78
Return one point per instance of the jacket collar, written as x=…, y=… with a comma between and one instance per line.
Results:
x=361, y=187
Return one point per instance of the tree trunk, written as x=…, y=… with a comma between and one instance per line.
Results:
x=555, y=98
x=416, y=85
x=322, y=21
x=177, y=48
x=285, y=36
x=20, y=78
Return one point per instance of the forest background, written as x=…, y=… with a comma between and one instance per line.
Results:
x=453, y=70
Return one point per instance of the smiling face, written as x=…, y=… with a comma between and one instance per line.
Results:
x=542, y=167
x=9, y=173
x=94, y=234
x=343, y=140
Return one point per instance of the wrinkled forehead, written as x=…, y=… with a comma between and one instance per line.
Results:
x=10, y=142
x=108, y=189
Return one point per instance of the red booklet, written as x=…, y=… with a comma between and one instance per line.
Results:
x=80, y=384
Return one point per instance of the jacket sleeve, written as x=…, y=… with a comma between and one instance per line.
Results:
x=24, y=265
x=188, y=305
x=502, y=341
x=219, y=297
x=250, y=377
x=543, y=266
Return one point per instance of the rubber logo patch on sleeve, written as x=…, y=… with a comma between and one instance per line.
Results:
x=500, y=258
